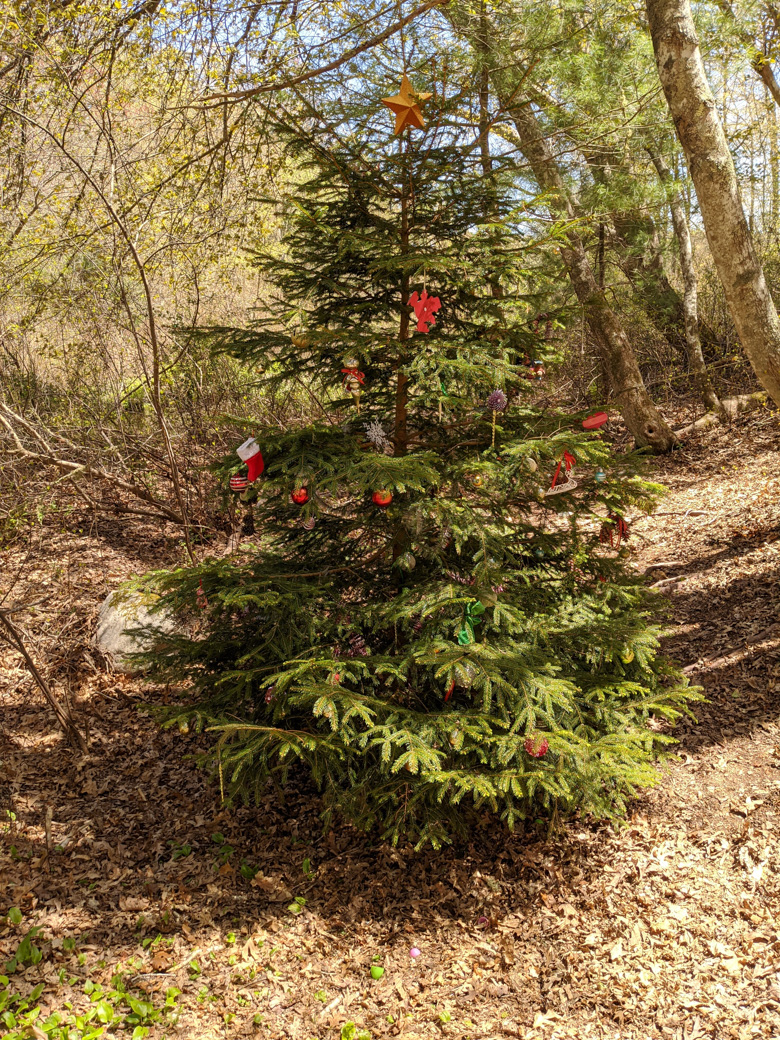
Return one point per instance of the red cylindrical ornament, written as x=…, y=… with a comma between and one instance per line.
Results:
x=595, y=421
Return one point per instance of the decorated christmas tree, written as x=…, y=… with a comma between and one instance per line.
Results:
x=434, y=617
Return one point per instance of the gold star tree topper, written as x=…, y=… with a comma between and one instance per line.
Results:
x=406, y=106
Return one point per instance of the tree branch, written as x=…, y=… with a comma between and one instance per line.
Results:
x=63, y=715
x=244, y=95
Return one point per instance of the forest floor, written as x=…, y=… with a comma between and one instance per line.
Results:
x=201, y=922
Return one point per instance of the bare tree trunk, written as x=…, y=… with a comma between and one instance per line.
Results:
x=712, y=170
x=640, y=414
x=639, y=254
x=774, y=165
x=615, y=351
x=701, y=376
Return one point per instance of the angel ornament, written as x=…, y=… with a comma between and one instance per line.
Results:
x=353, y=380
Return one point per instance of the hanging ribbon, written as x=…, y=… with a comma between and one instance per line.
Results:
x=472, y=616
x=614, y=530
x=360, y=376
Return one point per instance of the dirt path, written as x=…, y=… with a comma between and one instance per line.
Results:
x=666, y=928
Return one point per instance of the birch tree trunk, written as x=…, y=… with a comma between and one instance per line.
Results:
x=701, y=376
x=700, y=131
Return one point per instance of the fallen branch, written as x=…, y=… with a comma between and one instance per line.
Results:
x=688, y=512
x=731, y=408
x=664, y=582
x=76, y=469
x=64, y=717
x=714, y=662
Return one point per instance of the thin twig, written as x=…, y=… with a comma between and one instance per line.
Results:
x=64, y=717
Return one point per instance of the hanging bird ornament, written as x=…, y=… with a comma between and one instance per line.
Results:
x=425, y=307
x=406, y=106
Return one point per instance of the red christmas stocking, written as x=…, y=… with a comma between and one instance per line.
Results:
x=249, y=452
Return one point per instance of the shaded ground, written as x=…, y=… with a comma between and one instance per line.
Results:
x=666, y=928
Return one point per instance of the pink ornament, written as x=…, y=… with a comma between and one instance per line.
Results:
x=536, y=747
x=414, y=953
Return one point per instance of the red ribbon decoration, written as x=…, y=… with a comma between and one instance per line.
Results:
x=448, y=694
x=568, y=461
x=614, y=530
x=360, y=376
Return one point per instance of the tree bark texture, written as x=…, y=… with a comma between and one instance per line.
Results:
x=701, y=376
x=714, y=177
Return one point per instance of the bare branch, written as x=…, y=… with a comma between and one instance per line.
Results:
x=64, y=717
x=243, y=95
x=74, y=469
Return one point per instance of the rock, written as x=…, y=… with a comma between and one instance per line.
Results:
x=123, y=610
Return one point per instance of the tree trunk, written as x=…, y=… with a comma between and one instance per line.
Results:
x=712, y=170
x=759, y=58
x=640, y=414
x=641, y=260
x=701, y=376
x=642, y=418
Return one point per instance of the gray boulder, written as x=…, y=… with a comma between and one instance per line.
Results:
x=123, y=610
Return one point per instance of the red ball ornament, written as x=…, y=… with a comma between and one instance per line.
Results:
x=300, y=496
x=238, y=483
x=382, y=498
x=536, y=747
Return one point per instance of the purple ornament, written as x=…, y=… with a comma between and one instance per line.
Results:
x=497, y=401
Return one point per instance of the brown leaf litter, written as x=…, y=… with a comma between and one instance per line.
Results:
x=666, y=928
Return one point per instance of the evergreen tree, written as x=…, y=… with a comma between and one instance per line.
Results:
x=417, y=623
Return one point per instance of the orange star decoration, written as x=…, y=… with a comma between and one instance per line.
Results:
x=406, y=106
